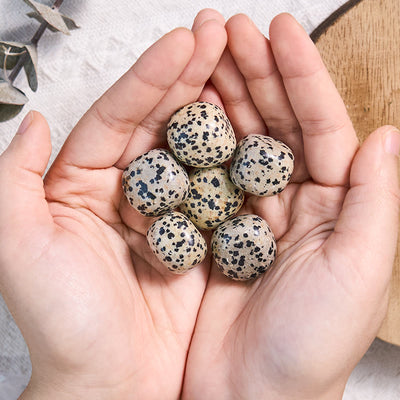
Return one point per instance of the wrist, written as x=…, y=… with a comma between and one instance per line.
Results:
x=333, y=393
x=32, y=393
x=326, y=396
x=71, y=391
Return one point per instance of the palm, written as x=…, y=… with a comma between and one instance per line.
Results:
x=295, y=331
x=107, y=309
x=272, y=327
x=95, y=305
x=145, y=314
x=113, y=292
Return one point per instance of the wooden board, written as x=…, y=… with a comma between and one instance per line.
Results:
x=360, y=45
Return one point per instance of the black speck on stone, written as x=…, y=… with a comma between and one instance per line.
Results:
x=181, y=224
x=195, y=194
x=215, y=182
x=143, y=186
x=191, y=240
x=211, y=204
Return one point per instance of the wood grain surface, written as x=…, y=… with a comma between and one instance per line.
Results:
x=361, y=49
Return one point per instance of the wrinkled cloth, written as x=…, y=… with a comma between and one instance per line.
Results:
x=73, y=71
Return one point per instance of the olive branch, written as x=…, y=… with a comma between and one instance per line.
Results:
x=15, y=56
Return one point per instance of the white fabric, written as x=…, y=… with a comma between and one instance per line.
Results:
x=75, y=70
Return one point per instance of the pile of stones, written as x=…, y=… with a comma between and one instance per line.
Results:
x=193, y=175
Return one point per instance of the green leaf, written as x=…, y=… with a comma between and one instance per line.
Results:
x=51, y=16
x=12, y=100
x=9, y=111
x=31, y=66
x=11, y=95
x=10, y=53
x=71, y=24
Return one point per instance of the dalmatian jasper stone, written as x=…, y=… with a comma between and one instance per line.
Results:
x=200, y=135
x=244, y=247
x=212, y=197
x=176, y=242
x=261, y=165
x=155, y=183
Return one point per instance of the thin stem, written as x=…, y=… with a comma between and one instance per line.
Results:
x=5, y=67
x=7, y=53
x=35, y=39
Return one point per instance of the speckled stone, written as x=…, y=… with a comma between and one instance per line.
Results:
x=155, y=183
x=200, y=135
x=176, y=242
x=244, y=247
x=212, y=197
x=261, y=165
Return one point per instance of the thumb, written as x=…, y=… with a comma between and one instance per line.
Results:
x=365, y=235
x=23, y=207
x=31, y=147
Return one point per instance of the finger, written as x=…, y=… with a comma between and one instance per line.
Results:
x=210, y=40
x=273, y=209
x=253, y=56
x=364, y=241
x=133, y=219
x=210, y=94
x=238, y=103
x=328, y=135
x=24, y=214
x=207, y=14
x=101, y=136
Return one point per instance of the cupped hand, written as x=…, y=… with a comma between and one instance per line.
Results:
x=298, y=331
x=101, y=317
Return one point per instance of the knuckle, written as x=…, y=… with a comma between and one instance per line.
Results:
x=105, y=116
x=320, y=126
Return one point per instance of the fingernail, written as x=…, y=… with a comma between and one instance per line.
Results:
x=25, y=123
x=392, y=142
x=197, y=27
x=251, y=22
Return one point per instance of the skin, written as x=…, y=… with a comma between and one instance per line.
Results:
x=104, y=320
